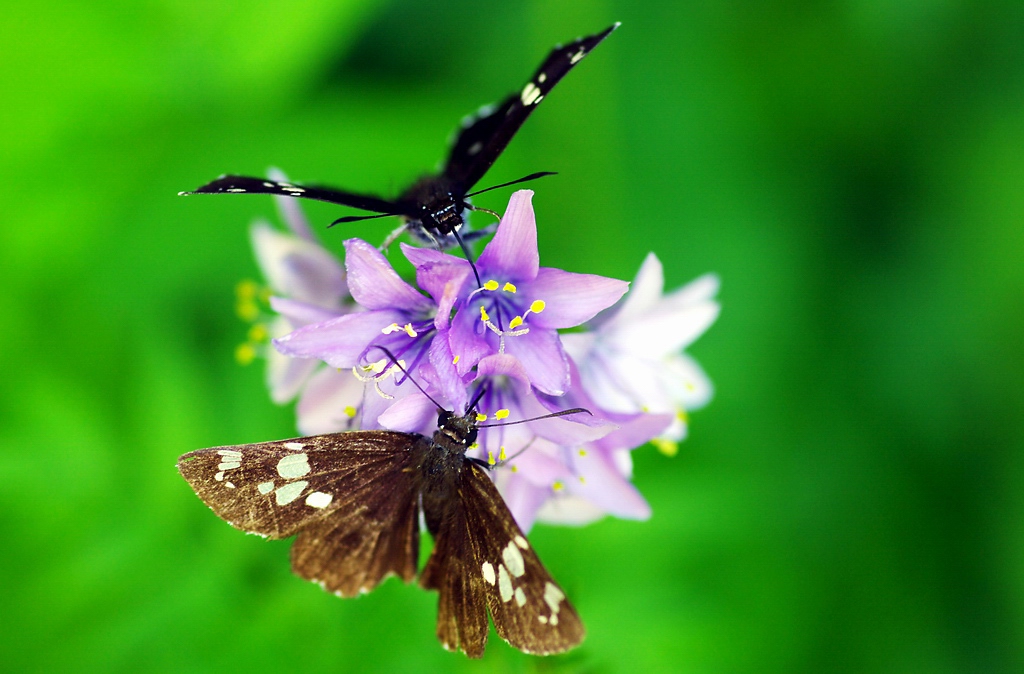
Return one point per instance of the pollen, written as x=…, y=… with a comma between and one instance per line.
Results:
x=490, y=457
x=391, y=328
x=245, y=353
x=501, y=454
x=481, y=417
x=455, y=360
x=537, y=306
x=682, y=416
x=483, y=314
x=557, y=485
x=515, y=322
x=491, y=285
x=350, y=411
x=409, y=330
x=582, y=480
x=501, y=414
x=258, y=333
x=583, y=452
x=509, y=288
x=246, y=289
x=666, y=447
x=247, y=310
x=515, y=468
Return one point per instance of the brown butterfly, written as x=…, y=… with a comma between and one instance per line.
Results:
x=355, y=500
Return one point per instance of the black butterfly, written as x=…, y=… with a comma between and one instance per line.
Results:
x=355, y=499
x=434, y=207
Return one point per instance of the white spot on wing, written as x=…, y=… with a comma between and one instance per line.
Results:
x=287, y=493
x=521, y=542
x=294, y=446
x=293, y=466
x=319, y=499
x=488, y=572
x=553, y=597
x=265, y=487
x=229, y=485
x=230, y=454
x=475, y=147
x=513, y=559
x=219, y=476
x=504, y=583
x=520, y=596
x=542, y=78
x=578, y=56
x=530, y=94
x=228, y=465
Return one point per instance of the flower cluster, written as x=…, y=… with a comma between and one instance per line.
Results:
x=495, y=346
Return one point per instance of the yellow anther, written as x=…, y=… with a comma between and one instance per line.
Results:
x=490, y=458
x=245, y=353
x=491, y=285
x=501, y=454
x=409, y=330
x=509, y=288
x=682, y=416
x=515, y=468
x=481, y=417
x=515, y=322
x=246, y=289
x=390, y=328
x=455, y=360
x=265, y=293
x=582, y=481
x=537, y=306
x=350, y=411
x=501, y=414
x=475, y=445
x=583, y=452
x=247, y=310
x=666, y=447
x=258, y=333
x=557, y=485
x=483, y=314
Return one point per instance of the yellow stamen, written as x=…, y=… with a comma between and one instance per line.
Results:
x=247, y=310
x=666, y=447
x=455, y=360
x=258, y=333
x=481, y=417
x=491, y=285
x=409, y=330
x=245, y=353
x=483, y=314
x=490, y=458
x=501, y=454
x=537, y=306
x=475, y=445
x=509, y=288
x=515, y=322
x=582, y=481
x=501, y=414
x=682, y=416
x=350, y=411
x=557, y=485
x=583, y=452
x=391, y=328
x=515, y=468
x=265, y=293
x=246, y=289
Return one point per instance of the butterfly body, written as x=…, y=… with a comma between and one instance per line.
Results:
x=355, y=499
x=434, y=208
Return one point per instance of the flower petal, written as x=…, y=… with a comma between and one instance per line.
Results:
x=512, y=254
x=540, y=352
x=664, y=332
x=453, y=389
x=300, y=313
x=465, y=340
x=571, y=299
x=410, y=414
x=329, y=403
x=644, y=292
x=340, y=341
x=375, y=285
x=298, y=268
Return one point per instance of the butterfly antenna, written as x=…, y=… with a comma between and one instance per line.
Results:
x=476, y=399
x=469, y=256
x=563, y=413
x=395, y=362
x=357, y=218
x=532, y=176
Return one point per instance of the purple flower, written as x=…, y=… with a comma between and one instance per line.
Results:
x=521, y=304
x=631, y=360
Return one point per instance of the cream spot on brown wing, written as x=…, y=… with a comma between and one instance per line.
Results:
x=287, y=493
x=543, y=619
x=319, y=499
x=294, y=446
x=553, y=597
x=504, y=583
x=521, y=542
x=578, y=56
x=230, y=454
x=293, y=466
x=228, y=465
x=488, y=572
x=530, y=94
x=219, y=476
x=520, y=596
x=513, y=559
x=265, y=487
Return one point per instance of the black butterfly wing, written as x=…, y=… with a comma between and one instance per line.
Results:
x=482, y=559
x=485, y=137
x=232, y=184
x=351, y=497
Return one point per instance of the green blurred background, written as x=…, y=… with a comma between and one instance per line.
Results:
x=852, y=499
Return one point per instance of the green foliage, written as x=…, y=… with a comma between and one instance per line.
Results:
x=851, y=501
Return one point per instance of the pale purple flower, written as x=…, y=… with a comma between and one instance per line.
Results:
x=631, y=360
x=521, y=305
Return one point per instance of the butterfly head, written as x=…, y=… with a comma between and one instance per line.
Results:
x=453, y=429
